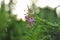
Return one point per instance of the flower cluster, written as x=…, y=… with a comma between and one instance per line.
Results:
x=29, y=19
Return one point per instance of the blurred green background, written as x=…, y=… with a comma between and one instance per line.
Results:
x=46, y=27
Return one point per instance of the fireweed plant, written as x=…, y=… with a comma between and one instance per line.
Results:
x=30, y=17
x=35, y=27
x=30, y=20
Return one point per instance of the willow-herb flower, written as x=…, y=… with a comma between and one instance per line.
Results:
x=26, y=17
x=31, y=20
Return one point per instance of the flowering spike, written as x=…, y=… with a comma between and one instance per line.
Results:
x=31, y=20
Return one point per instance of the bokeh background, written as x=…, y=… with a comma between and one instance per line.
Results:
x=13, y=25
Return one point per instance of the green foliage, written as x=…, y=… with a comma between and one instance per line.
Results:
x=46, y=27
x=3, y=17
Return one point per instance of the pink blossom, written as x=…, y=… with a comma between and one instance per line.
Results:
x=31, y=20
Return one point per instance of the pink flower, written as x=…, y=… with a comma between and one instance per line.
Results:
x=26, y=17
x=31, y=20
